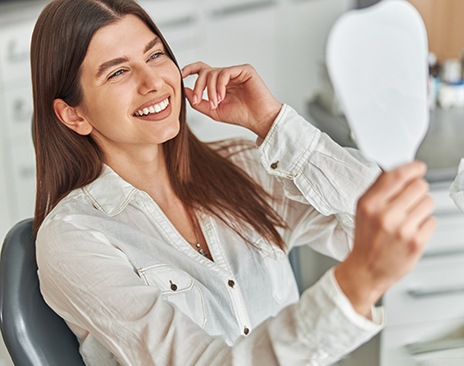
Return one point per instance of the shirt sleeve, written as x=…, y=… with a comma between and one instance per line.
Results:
x=324, y=177
x=292, y=335
x=101, y=293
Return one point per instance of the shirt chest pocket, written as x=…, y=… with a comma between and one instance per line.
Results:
x=178, y=288
x=279, y=270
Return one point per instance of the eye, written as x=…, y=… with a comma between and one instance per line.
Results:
x=156, y=55
x=117, y=73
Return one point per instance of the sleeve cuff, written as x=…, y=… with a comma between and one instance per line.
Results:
x=288, y=144
x=327, y=318
x=351, y=313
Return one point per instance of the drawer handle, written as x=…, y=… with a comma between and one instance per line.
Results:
x=241, y=8
x=173, y=23
x=423, y=292
x=434, y=346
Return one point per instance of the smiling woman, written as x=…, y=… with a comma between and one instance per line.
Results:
x=125, y=73
x=156, y=248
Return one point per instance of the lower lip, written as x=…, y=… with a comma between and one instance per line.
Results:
x=153, y=117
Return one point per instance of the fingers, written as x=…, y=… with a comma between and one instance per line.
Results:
x=407, y=199
x=399, y=200
x=201, y=82
x=420, y=212
x=235, y=95
x=390, y=184
x=203, y=106
x=427, y=229
x=214, y=80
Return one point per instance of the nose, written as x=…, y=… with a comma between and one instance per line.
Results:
x=149, y=80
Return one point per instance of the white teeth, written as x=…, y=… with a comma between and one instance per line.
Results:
x=156, y=108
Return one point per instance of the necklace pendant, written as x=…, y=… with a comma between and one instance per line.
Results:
x=201, y=250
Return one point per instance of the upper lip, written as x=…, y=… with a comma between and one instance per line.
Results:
x=151, y=102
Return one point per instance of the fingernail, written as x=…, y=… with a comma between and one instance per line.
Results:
x=219, y=100
x=195, y=99
x=211, y=104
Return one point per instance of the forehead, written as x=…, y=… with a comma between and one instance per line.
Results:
x=127, y=36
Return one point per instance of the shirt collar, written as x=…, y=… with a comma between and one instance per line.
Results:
x=109, y=192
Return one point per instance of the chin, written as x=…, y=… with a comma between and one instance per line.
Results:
x=171, y=133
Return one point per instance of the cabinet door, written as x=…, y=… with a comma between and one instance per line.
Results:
x=445, y=28
x=434, y=343
x=306, y=25
x=18, y=112
x=14, y=53
x=244, y=34
x=23, y=181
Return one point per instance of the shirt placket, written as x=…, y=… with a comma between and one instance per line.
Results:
x=231, y=284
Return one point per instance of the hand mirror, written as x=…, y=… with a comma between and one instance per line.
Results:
x=377, y=61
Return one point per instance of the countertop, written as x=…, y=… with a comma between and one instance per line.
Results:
x=441, y=149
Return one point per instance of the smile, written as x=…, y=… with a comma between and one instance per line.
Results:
x=153, y=109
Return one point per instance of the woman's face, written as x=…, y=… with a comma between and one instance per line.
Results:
x=131, y=89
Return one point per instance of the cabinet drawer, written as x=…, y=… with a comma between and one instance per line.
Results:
x=429, y=343
x=448, y=238
x=18, y=112
x=23, y=180
x=431, y=293
x=14, y=52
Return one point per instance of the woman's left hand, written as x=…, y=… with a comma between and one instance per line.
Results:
x=236, y=95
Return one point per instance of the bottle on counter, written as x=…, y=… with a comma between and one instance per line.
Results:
x=434, y=80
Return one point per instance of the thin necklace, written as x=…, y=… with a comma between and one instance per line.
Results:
x=197, y=244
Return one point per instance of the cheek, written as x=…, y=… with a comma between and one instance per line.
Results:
x=176, y=82
x=174, y=76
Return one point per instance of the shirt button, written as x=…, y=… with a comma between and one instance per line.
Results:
x=246, y=331
x=231, y=283
x=173, y=286
x=275, y=164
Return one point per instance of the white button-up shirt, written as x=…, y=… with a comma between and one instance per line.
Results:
x=135, y=292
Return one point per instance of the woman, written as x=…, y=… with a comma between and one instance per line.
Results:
x=159, y=249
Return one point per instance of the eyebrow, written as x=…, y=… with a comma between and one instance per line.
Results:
x=106, y=65
x=119, y=60
x=151, y=44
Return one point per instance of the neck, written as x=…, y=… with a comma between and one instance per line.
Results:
x=147, y=173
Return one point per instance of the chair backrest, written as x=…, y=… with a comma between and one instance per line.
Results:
x=33, y=333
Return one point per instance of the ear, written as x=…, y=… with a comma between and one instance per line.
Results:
x=70, y=117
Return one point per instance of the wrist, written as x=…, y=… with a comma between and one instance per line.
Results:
x=262, y=127
x=358, y=285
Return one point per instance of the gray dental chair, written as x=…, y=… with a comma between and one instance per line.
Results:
x=34, y=335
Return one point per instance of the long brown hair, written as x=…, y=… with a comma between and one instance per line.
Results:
x=66, y=160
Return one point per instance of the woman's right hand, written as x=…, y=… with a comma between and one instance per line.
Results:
x=236, y=95
x=393, y=224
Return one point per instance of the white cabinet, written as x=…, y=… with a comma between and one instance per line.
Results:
x=17, y=162
x=424, y=311
x=301, y=47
